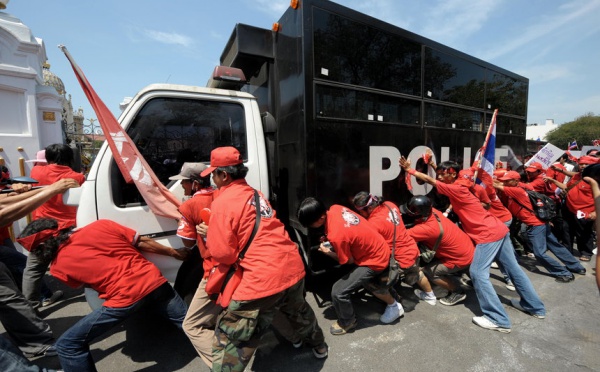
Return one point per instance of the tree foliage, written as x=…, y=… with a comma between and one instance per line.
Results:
x=584, y=130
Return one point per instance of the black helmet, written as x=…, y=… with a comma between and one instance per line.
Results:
x=417, y=207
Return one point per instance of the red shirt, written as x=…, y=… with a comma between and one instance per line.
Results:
x=455, y=249
x=381, y=218
x=103, y=255
x=4, y=233
x=579, y=197
x=352, y=236
x=272, y=262
x=516, y=195
x=55, y=208
x=190, y=217
x=478, y=223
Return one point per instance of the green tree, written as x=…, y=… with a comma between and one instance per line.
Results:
x=584, y=130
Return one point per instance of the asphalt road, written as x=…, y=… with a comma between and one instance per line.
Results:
x=427, y=338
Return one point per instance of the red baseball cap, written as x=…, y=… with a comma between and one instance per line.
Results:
x=586, y=159
x=222, y=157
x=535, y=166
x=510, y=175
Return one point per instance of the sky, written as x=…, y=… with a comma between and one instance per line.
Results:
x=123, y=46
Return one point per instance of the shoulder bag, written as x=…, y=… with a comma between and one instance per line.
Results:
x=224, y=279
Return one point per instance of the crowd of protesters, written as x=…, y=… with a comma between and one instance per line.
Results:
x=453, y=250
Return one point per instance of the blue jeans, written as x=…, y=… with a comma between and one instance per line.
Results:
x=542, y=239
x=11, y=359
x=73, y=346
x=501, y=250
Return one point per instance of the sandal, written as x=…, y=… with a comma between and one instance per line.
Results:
x=585, y=258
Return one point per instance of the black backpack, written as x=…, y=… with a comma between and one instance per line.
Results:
x=542, y=206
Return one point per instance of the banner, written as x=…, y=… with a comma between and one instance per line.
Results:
x=546, y=156
x=131, y=163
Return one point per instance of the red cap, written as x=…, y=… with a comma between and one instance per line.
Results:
x=222, y=157
x=586, y=159
x=510, y=175
x=535, y=166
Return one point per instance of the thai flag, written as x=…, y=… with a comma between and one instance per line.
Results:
x=488, y=158
x=131, y=163
x=573, y=145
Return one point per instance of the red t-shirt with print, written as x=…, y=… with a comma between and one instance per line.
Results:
x=353, y=236
x=103, y=255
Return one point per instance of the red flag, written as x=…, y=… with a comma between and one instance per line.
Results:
x=131, y=163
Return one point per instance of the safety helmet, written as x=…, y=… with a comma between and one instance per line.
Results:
x=417, y=207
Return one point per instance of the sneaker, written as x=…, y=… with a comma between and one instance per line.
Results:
x=565, y=278
x=510, y=286
x=453, y=298
x=297, y=345
x=424, y=297
x=466, y=282
x=494, y=265
x=484, y=322
x=516, y=303
x=336, y=329
x=50, y=351
x=579, y=272
x=391, y=313
x=530, y=255
x=321, y=352
x=57, y=295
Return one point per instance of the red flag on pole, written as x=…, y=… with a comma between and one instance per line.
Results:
x=131, y=163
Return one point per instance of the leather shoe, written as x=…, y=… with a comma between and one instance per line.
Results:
x=580, y=272
x=565, y=278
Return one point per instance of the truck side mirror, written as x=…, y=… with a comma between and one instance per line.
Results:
x=269, y=124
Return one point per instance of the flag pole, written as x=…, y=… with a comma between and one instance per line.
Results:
x=485, y=143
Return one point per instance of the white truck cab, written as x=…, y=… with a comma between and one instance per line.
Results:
x=171, y=124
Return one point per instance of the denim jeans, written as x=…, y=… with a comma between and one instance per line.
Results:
x=343, y=288
x=11, y=359
x=73, y=346
x=542, y=239
x=501, y=250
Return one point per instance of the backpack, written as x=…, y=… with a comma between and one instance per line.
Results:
x=542, y=206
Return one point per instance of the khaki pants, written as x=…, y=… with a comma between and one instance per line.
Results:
x=200, y=322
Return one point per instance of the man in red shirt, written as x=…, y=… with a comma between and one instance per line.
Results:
x=201, y=318
x=580, y=213
x=273, y=271
x=387, y=220
x=106, y=257
x=352, y=240
x=60, y=160
x=539, y=232
x=492, y=243
x=454, y=251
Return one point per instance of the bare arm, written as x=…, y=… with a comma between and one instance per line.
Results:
x=149, y=245
x=405, y=164
x=328, y=252
x=558, y=184
x=564, y=171
x=18, y=206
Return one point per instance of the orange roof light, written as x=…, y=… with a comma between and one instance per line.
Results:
x=275, y=27
x=294, y=4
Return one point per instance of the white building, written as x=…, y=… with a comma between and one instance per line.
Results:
x=537, y=132
x=33, y=107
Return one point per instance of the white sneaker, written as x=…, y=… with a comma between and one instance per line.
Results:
x=484, y=322
x=424, y=297
x=494, y=265
x=510, y=286
x=392, y=313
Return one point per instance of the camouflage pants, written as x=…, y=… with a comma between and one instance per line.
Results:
x=241, y=325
